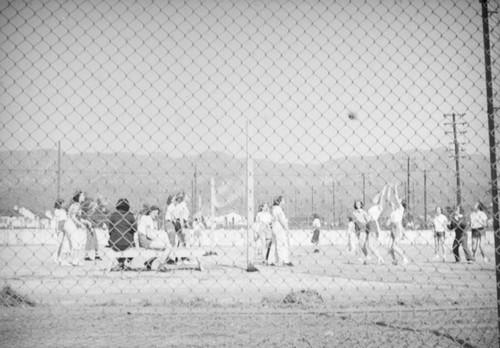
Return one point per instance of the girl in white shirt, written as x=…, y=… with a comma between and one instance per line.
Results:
x=439, y=222
x=396, y=223
x=63, y=242
x=263, y=232
x=316, y=224
x=478, y=223
x=169, y=220
x=280, y=234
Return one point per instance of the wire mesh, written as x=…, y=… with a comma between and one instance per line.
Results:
x=282, y=164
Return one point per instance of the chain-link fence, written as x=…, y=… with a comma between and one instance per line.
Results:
x=280, y=173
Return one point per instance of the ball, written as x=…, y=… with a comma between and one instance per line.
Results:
x=351, y=115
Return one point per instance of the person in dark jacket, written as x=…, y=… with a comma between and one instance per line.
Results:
x=122, y=227
x=458, y=223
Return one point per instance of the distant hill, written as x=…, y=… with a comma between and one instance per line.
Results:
x=30, y=179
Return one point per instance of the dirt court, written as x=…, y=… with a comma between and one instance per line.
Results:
x=328, y=299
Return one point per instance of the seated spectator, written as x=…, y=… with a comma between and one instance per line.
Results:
x=150, y=237
x=122, y=226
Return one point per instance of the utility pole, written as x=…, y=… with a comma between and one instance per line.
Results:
x=425, y=197
x=312, y=200
x=456, y=144
x=492, y=143
x=364, y=189
x=408, y=184
x=58, y=169
x=333, y=201
x=195, y=190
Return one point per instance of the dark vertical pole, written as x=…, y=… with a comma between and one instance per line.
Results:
x=333, y=202
x=457, y=159
x=364, y=189
x=408, y=184
x=312, y=199
x=295, y=201
x=58, y=169
x=425, y=198
x=493, y=156
x=195, y=192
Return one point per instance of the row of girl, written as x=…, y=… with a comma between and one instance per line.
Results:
x=76, y=229
x=363, y=228
x=271, y=230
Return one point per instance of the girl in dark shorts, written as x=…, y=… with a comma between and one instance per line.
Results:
x=459, y=225
x=316, y=229
x=478, y=223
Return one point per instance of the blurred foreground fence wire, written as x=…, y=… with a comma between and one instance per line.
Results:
x=292, y=173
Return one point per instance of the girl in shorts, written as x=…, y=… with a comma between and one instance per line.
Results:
x=478, y=222
x=75, y=227
x=396, y=224
x=366, y=228
x=316, y=224
x=439, y=223
x=64, y=243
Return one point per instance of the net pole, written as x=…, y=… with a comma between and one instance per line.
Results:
x=492, y=143
x=250, y=202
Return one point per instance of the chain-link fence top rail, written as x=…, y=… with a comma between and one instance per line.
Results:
x=234, y=103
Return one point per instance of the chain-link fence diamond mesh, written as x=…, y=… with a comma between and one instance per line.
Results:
x=247, y=173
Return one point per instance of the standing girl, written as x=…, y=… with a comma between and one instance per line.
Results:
x=64, y=243
x=439, y=222
x=459, y=224
x=75, y=227
x=397, y=229
x=365, y=226
x=316, y=224
x=478, y=222
x=264, y=233
x=281, y=234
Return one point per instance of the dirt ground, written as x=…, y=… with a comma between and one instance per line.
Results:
x=328, y=299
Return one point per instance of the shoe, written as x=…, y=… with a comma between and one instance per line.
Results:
x=405, y=261
x=64, y=263
x=170, y=261
x=117, y=268
x=271, y=264
x=289, y=264
x=380, y=261
x=87, y=258
x=148, y=266
x=316, y=250
x=76, y=264
x=98, y=258
x=470, y=261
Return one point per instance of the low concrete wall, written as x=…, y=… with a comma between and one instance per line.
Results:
x=230, y=238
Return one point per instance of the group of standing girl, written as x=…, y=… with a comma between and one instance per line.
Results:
x=272, y=234
x=458, y=223
x=74, y=232
x=364, y=225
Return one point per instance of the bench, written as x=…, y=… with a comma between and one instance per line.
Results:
x=179, y=253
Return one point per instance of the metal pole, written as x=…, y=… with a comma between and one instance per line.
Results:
x=425, y=198
x=408, y=184
x=364, y=189
x=333, y=202
x=312, y=200
x=457, y=159
x=58, y=169
x=492, y=143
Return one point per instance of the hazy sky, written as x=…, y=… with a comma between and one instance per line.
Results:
x=182, y=77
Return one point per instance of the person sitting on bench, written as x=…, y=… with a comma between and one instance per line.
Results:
x=149, y=235
x=122, y=227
